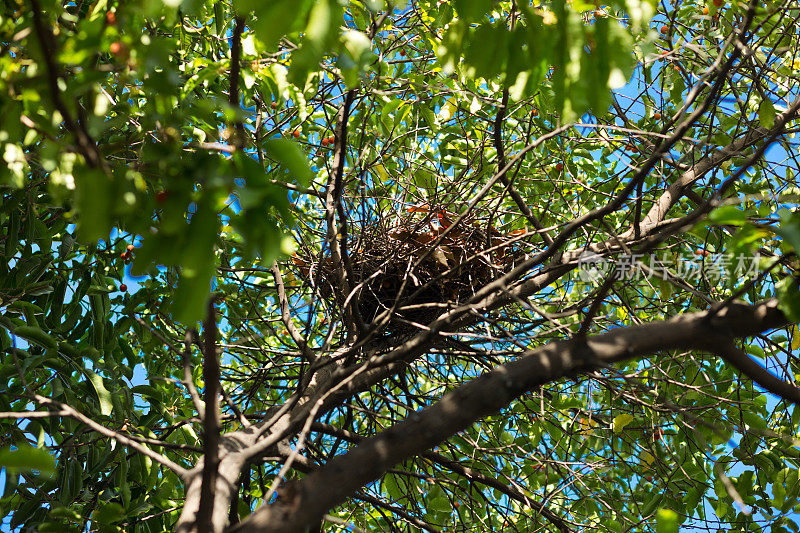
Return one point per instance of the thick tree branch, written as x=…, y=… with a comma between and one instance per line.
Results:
x=337, y=232
x=738, y=358
x=469, y=473
x=309, y=499
x=211, y=421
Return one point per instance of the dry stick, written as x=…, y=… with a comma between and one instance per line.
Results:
x=332, y=484
x=211, y=422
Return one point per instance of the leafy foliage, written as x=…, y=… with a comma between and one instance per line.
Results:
x=161, y=152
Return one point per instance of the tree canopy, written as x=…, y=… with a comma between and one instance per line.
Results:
x=466, y=265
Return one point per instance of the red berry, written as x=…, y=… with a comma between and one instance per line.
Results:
x=559, y=167
x=111, y=18
x=296, y=134
x=535, y=112
x=119, y=50
x=123, y=288
x=130, y=247
x=656, y=115
x=664, y=29
x=161, y=197
x=331, y=139
x=123, y=255
x=324, y=141
x=705, y=10
x=719, y=3
x=274, y=105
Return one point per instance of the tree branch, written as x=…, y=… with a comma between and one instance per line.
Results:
x=47, y=41
x=211, y=422
x=233, y=93
x=501, y=162
x=309, y=499
x=188, y=380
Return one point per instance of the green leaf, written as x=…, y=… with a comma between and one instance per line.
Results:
x=472, y=9
x=358, y=54
x=441, y=504
x=789, y=299
x=191, y=295
x=620, y=421
x=103, y=395
x=789, y=229
x=273, y=19
x=728, y=215
x=27, y=458
x=676, y=92
x=199, y=263
x=291, y=157
x=35, y=335
x=486, y=50
x=779, y=490
x=323, y=22
x=766, y=113
x=94, y=200
x=387, y=119
x=426, y=180
x=203, y=228
x=667, y=521
x=108, y=513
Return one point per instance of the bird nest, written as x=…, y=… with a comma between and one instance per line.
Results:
x=426, y=260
